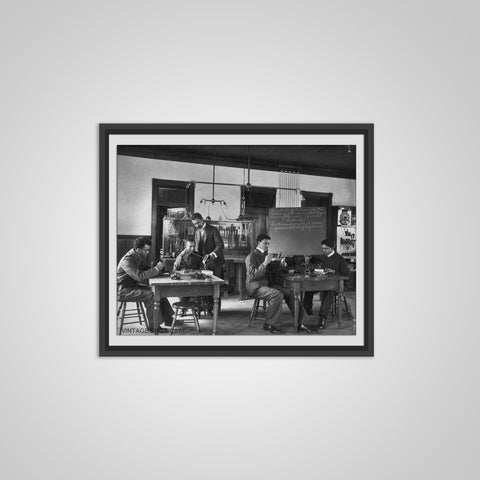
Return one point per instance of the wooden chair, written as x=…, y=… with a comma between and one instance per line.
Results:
x=336, y=304
x=255, y=311
x=123, y=312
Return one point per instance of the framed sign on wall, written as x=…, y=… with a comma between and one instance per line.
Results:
x=194, y=261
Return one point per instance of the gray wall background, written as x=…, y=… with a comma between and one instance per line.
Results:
x=411, y=68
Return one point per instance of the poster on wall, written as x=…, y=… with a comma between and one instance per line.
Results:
x=230, y=240
x=346, y=241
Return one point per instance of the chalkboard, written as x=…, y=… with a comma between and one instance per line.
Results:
x=297, y=231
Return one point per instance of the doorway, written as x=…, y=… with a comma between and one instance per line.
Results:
x=168, y=194
x=317, y=199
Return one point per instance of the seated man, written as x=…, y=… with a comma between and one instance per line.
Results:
x=188, y=258
x=132, y=280
x=332, y=262
x=259, y=285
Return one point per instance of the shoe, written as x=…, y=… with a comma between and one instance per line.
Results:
x=303, y=328
x=320, y=326
x=308, y=312
x=167, y=324
x=270, y=328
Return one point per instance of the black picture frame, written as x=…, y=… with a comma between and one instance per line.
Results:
x=106, y=133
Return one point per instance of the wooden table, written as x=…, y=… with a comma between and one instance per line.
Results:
x=304, y=283
x=238, y=264
x=166, y=287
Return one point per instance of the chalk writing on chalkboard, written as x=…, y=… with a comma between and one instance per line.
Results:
x=297, y=230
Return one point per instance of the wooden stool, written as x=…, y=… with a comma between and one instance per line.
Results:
x=123, y=312
x=335, y=305
x=186, y=305
x=255, y=311
x=202, y=307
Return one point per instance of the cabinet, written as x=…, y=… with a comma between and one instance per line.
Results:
x=237, y=236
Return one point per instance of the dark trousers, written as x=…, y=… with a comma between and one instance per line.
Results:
x=145, y=294
x=326, y=299
x=208, y=301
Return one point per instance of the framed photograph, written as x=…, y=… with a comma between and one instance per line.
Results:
x=236, y=239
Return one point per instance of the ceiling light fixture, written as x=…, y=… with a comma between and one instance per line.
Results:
x=246, y=187
x=213, y=200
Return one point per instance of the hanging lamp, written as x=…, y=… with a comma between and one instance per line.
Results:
x=246, y=187
x=213, y=200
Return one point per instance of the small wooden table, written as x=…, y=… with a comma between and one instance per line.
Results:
x=166, y=287
x=320, y=283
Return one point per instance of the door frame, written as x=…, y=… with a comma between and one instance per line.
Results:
x=177, y=184
x=328, y=197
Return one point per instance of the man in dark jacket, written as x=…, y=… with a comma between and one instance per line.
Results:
x=209, y=244
x=331, y=262
x=132, y=280
x=258, y=284
x=188, y=258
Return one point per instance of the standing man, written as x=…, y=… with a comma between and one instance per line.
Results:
x=132, y=280
x=209, y=244
x=258, y=284
x=332, y=262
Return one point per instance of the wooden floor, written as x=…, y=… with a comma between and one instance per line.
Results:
x=235, y=317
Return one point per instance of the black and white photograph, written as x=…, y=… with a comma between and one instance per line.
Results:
x=229, y=240
x=258, y=238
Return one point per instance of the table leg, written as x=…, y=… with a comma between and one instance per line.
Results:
x=241, y=288
x=216, y=296
x=296, y=300
x=156, y=309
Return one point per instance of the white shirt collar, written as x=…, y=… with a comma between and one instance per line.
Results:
x=261, y=250
x=333, y=251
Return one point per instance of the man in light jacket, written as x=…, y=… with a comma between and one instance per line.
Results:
x=258, y=284
x=132, y=281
